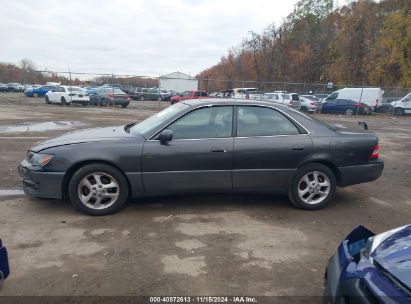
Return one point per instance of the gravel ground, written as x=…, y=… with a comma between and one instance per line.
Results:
x=252, y=245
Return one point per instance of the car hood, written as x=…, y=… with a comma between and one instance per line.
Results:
x=393, y=254
x=83, y=136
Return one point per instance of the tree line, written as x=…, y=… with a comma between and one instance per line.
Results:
x=363, y=43
x=26, y=72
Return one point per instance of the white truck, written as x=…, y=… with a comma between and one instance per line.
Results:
x=372, y=97
x=245, y=93
x=402, y=106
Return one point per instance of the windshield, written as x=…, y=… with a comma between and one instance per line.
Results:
x=153, y=122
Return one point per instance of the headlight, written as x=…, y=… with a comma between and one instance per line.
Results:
x=38, y=159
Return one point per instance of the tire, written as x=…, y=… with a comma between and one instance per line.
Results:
x=97, y=197
x=304, y=109
x=349, y=112
x=36, y=95
x=124, y=106
x=84, y=103
x=399, y=112
x=141, y=98
x=63, y=101
x=321, y=189
x=47, y=100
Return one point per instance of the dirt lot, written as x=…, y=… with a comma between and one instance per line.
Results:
x=212, y=244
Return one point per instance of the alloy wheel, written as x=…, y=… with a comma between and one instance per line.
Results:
x=314, y=187
x=98, y=190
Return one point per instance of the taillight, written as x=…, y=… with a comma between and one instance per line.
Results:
x=375, y=152
x=127, y=97
x=314, y=103
x=111, y=96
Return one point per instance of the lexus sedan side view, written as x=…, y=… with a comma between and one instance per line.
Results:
x=203, y=145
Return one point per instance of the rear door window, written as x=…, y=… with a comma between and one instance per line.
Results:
x=263, y=121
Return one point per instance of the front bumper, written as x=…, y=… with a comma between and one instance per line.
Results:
x=350, y=277
x=38, y=183
x=361, y=173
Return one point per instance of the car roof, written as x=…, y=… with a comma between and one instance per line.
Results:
x=232, y=102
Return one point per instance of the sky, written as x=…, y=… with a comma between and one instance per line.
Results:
x=136, y=37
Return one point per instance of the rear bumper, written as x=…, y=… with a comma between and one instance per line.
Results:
x=42, y=184
x=360, y=174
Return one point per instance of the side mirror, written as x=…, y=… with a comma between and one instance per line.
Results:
x=165, y=136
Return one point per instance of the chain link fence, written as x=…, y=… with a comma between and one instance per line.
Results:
x=130, y=82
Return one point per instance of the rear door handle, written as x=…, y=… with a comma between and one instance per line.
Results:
x=297, y=148
x=218, y=150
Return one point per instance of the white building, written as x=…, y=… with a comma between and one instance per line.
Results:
x=178, y=82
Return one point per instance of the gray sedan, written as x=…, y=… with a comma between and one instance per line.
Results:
x=105, y=96
x=203, y=145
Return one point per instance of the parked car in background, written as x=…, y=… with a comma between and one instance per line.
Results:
x=106, y=96
x=345, y=106
x=386, y=106
x=402, y=106
x=15, y=87
x=3, y=87
x=203, y=145
x=291, y=100
x=372, y=97
x=309, y=105
x=245, y=93
x=145, y=94
x=38, y=91
x=370, y=268
x=67, y=95
x=90, y=90
x=167, y=94
x=112, y=85
x=189, y=95
x=321, y=97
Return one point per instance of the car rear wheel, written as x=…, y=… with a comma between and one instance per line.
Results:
x=349, y=112
x=98, y=189
x=47, y=100
x=399, y=111
x=124, y=106
x=312, y=187
x=141, y=98
x=63, y=101
x=304, y=109
x=36, y=95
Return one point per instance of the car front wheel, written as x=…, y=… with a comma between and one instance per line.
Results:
x=312, y=187
x=399, y=112
x=98, y=189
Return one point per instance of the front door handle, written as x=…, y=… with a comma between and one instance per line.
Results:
x=298, y=148
x=218, y=150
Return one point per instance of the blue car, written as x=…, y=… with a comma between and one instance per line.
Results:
x=38, y=91
x=344, y=106
x=369, y=268
x=4, y=264
x=90, y=90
